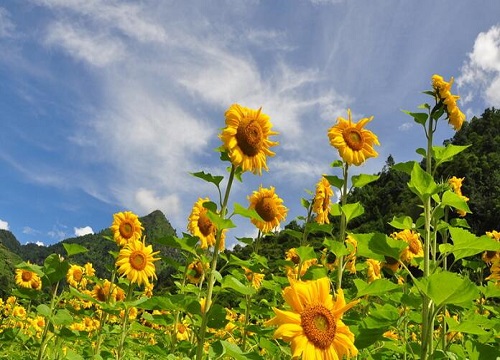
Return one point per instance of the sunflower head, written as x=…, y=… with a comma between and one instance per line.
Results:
x=246, y=138
x=28, y=279
x=373, y=270
x=352, y=140
x=75, y=276
x=254, y=278
x=322, y=201
x=314, y=323
x=442, y=92
x=415, y=247
x=136, y=262
x=196, y=271
x=269, y=207
x=201, y=226
x=126, y=227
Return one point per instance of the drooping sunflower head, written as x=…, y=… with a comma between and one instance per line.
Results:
x=196, y=271
x=442, y=90
x=352, y=140
x=246, y=138
x=373, y=270
x=322, y=201
x=490, y=256
x=269, y=207
x=314, y=323
x=126, y=227
x=456, y=184
x=415, y=247
x=254, y=278
x=201, y=226
x=136, y=262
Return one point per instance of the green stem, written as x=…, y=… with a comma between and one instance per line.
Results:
x=427, y=306
x=43, y=341
x=343, y=225
x=248, y=299
x=213, y=267
x=119, y=352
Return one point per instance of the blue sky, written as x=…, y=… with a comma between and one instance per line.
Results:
x=107, y=106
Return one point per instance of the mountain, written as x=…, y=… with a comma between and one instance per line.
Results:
x=156, y=226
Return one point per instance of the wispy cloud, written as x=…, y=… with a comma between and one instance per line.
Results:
x=4, y=225
x=6, y=25
x=30, y=231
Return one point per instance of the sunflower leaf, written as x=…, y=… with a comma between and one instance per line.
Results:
x=466, y=243
x=422, y=183
x=420, y=118
x=334, y=181
x=208, y=177
x=454, y=200
x=363, y=179
x=231, y=282
x=248, y=213
x=219, y=222
x=446, y=153
x=352, y=210
x=402, y=222
x=73, y=249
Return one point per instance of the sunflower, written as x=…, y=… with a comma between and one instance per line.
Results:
x=136, y=262
x=246, y=138
x=126, y=227
x=254, y=278
x=456, y=185
x=196, y=271
x=314, y=324
x=201, y=226
x=373, y=270
x=354, y=143
x=415, y=248
x=28, y=279
x=350, y=259
x=75, y=276
x=443, y=93
x=321, y=203
x=269, y=207
x=107, y=290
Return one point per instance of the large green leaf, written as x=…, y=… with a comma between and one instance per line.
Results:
x=467, y=244
x=352, y=210
x=446, y=153
x=420, y=118
x=73, y=249
x=231, y=282
x=421, y=183
x=402, y=222
x=335, y=181
x=363, y=179
x=208, y=177
x=219, y=222
x=447, y=288
x=449, y=198
x=248, y=213
x=375, y=288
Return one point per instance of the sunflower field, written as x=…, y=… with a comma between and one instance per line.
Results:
x=428, y=290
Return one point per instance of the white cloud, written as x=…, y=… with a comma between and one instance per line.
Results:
x=148, y=201
x=83, y=231
x=4, y=225
x=480, y=74
x=407, y=126
x=40, y=243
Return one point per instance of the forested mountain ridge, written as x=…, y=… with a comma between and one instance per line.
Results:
x=156, y=226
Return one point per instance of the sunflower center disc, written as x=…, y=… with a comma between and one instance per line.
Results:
x=26, y=276
x=138, y=260
x=414, y=246
x=205, y=225
x=249, y=136
x=353, y=139
x=126, y=230
x=77, y=275
x=266, y=208
x=319, y=325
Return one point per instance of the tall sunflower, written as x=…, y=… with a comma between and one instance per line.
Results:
x=269, y=207
x=354, y=143
x=322, y=201
x=136, y=262
x=314, y=323
x=201, y=226
x=126, y=227
x=443, y=93
x=246, y=138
